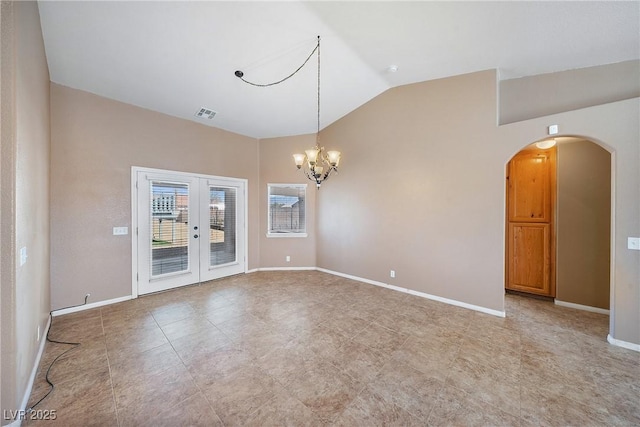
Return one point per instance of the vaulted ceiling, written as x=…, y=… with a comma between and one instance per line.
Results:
x=176, y=57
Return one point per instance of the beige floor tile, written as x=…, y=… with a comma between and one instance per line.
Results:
x=200, y=344
x=475, y=350
x=124, y=345
x=145, y=395
x=211, y=367
x=173, y=312
x=284, y=362
x=225, y=313
x=283, y=410
x=237, y=396
x=324, y=389
x=297, y=323
x=320, y=349
x=87, y=359
x=407, y=388
x=116, y=322
x=195, y=411
x=380, y=338
x=493, y=386
x=455, y=408
x=369, y=409
x=149, y=363
x=545, y=408
x=346, y=324
x=261, y=344
x=185, y=327
x=76, y=330
x=203, y=302
x=322, y=340
x=360, y=362
x=431, y=357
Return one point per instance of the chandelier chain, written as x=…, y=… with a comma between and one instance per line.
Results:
x=240, y=74
x=318, y=134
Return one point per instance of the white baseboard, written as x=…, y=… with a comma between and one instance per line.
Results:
x=581, y=307
x=623, y=344
x=90, y=306
x=253, y=270
x=419, y=294
x=286, y=269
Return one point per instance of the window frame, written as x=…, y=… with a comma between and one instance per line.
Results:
x=291, y=234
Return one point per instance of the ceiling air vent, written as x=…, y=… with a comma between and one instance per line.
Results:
x=205, y=113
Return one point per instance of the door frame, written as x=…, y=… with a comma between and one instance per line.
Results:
x=612, y=227
x=134, y=216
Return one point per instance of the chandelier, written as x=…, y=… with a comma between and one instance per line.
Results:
x=316, y=163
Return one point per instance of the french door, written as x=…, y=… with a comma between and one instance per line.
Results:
x=190, y=229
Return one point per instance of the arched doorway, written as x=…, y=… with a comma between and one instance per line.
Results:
x=580, y=226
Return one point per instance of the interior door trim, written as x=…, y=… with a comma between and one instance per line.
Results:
x=134, y=215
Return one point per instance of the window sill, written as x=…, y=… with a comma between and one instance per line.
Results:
x=281, y=235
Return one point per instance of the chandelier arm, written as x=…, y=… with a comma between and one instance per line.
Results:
x=308, y=173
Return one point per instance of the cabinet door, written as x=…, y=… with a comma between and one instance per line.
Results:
x=529, y=258
x=529, y=187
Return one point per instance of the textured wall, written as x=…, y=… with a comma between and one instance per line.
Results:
x=25, y=196
x=412, y=193
x=94, y=143
x=7, y=209
x=584, y=223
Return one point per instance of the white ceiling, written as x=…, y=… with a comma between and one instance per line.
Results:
x=175, y=57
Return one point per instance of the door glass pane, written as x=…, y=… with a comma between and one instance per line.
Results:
x=169, y=227
x=222, y=225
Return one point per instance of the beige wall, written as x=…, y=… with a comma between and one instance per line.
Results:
x=25, y=196
x=277, y=167
x=545, y=94
x=415, y=191
x=7, y=210
x=584, y=223
x=95, y=142
x=421, y=191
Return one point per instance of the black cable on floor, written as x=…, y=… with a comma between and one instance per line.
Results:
x=74, y=344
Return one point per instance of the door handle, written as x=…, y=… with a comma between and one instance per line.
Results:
x=195, y=236
x=195, y=227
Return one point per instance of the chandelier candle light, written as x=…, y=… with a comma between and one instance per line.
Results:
x=317, y=164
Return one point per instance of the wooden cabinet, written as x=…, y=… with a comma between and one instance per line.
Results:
x=530, y=222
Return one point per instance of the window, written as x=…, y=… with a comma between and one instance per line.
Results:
x=287, y=216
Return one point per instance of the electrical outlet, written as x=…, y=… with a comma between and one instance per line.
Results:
x=392, y=274
x=633, y=243
x=288, y=258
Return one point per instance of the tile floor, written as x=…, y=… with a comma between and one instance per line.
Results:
x=307, y=348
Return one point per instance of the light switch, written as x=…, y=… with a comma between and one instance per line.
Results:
x=633, y=243
x=553, y=130
x=120, y=231
x=23, y=256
